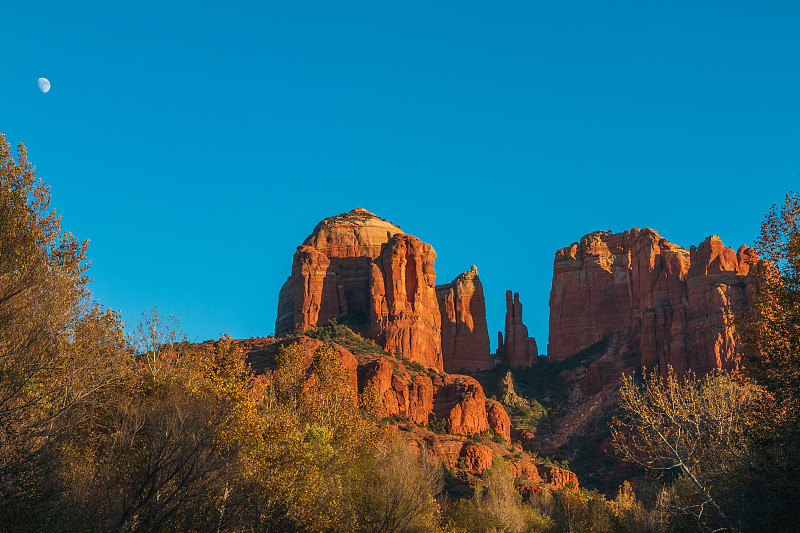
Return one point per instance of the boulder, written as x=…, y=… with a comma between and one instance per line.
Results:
x=498, y=419
x=461, y=402
x=477, y=457
x=398, y=393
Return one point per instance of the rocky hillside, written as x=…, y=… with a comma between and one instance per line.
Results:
x=363, y=271
x=447, y=414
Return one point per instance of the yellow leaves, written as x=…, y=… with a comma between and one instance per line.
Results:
x=625, y=501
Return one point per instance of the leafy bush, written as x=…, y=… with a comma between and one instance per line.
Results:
x=412, y=365
x=437, y=425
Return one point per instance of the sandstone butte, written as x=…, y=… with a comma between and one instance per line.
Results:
x=465, y=335
x=655, y=303
x=360, y=266
x=518, y=350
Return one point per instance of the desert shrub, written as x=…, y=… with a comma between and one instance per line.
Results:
x=437, y=425
x=344, y=336
x=413, y=365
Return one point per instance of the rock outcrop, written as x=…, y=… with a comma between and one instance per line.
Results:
x=331, y=271
x=457, y=400
x=476, y=458
x=429, y=400
x=465, y=335
x=404, y=312
x=262, y=355
x=652, y=302
x=517, y=349
x=359, y=266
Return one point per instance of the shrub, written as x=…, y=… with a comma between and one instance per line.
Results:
x=437, y=425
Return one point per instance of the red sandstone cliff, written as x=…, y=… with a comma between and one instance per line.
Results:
x=465, y=336
x=404, y=315
x=517, y=349
x=361, y=266
x=659, y=303
x=458, y=400
x=331, y=271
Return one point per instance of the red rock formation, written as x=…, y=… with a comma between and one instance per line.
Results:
x=557, y=477
x=363, y=267
x=525, y=438
x=262, y=355
x=477, y=457
x=458, y=400
x=461, y=402
x=519, y=350
x=525, y=469
x=399, y=394
x=498, y=419
x=465, y=336
x=405, y=313
x=662, y=304
x=331, y=271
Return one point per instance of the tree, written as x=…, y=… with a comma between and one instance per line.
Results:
x=399, y=492
x=770, y=334
x=155, y=335
x=688, y=428
x=771, y=330
x=45, y=310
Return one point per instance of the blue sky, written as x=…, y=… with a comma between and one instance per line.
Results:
x=197, y=145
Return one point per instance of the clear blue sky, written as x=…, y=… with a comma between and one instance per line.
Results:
x=197, y=145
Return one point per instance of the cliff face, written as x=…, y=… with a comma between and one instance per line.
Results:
x=465, y=335
x=331, y=271
x=517, y=349
x=361, y=266
x=659, y=303
x=405, y=314
x=457, y=400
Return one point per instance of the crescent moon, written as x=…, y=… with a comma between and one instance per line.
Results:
x=44, y=85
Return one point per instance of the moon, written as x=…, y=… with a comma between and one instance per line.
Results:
x=44, y=85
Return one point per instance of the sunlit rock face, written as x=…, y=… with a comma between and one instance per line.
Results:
x=658, y=303
x=517, y=349
x=405, y=313
x=331, y=271
x=465, y=335
x=457, y=400
x=362, y=267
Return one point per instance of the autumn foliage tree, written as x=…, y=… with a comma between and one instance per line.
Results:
x=686, y=428
x=770, y=332
x=51, y=333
